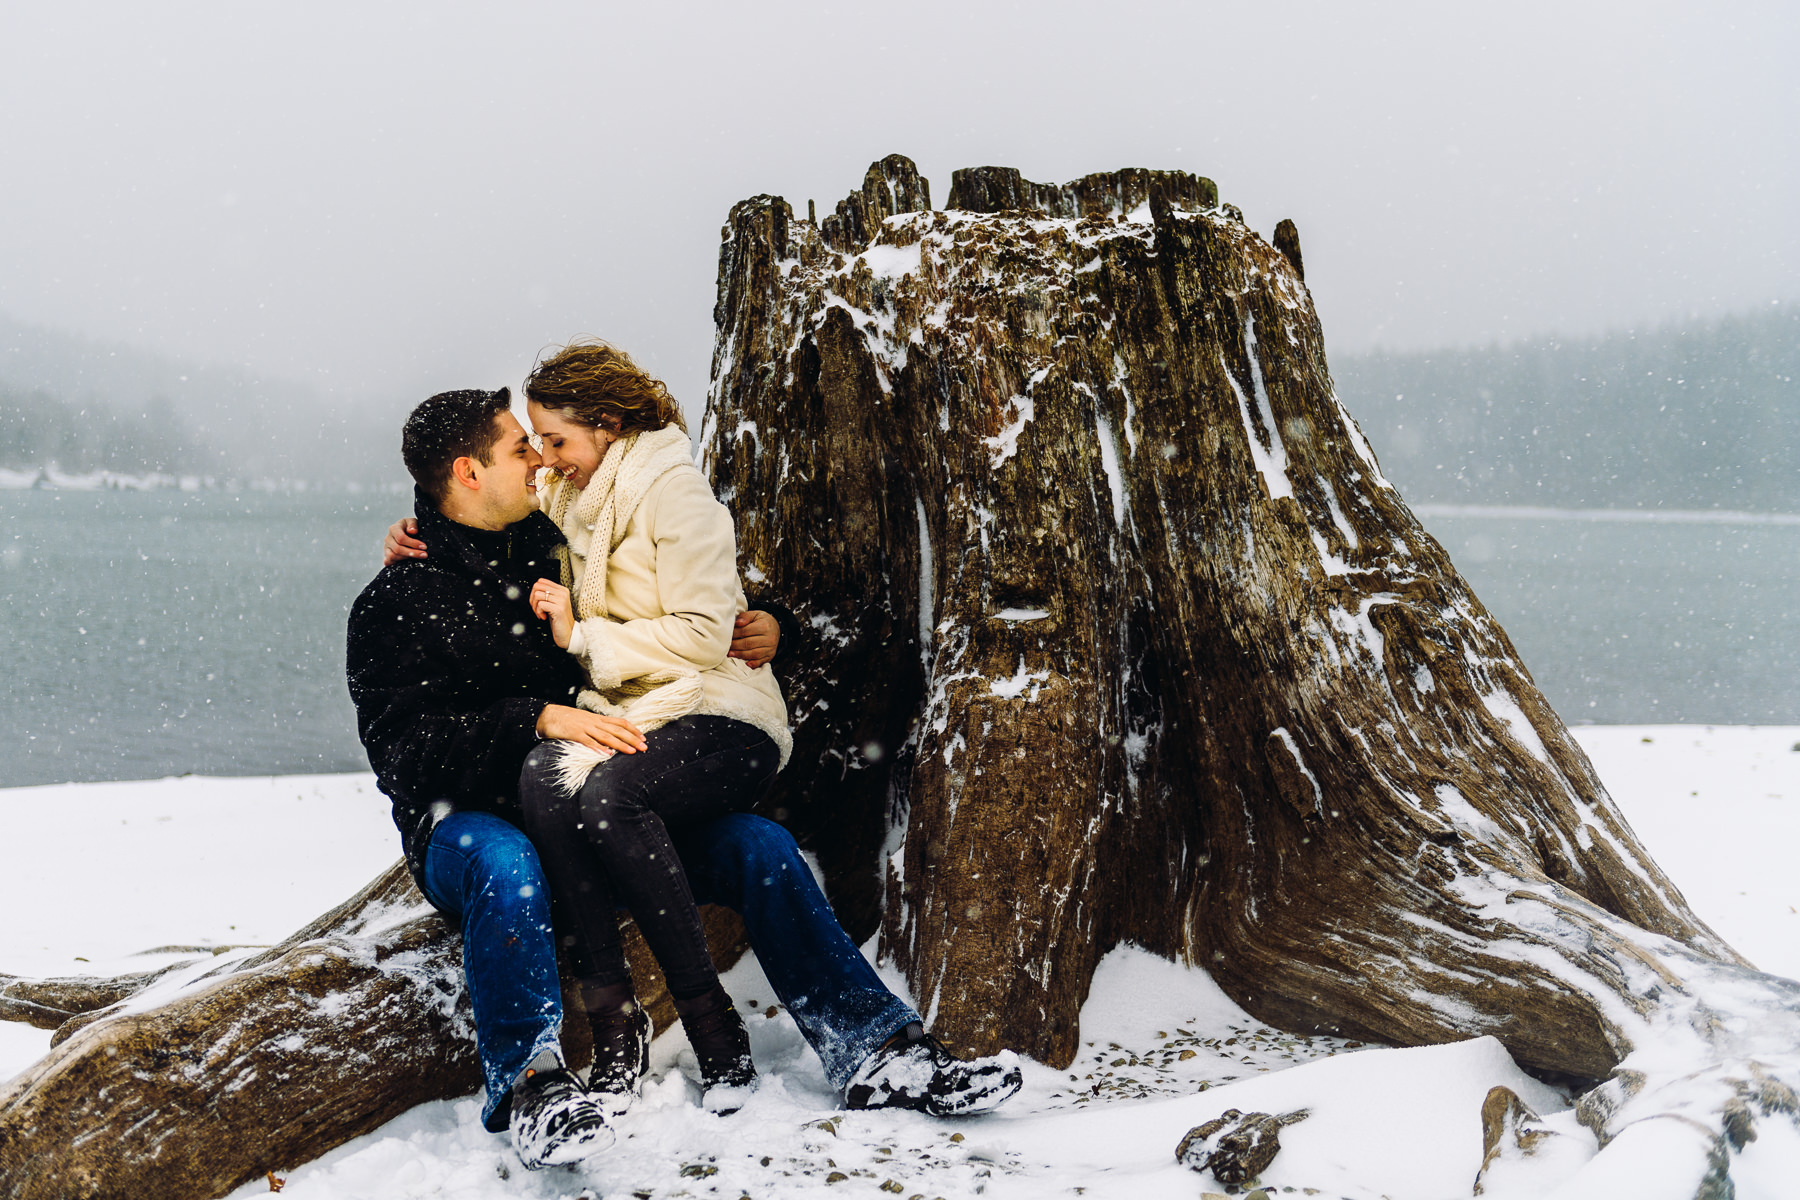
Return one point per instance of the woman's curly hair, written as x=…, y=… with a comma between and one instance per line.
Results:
x=598, y=385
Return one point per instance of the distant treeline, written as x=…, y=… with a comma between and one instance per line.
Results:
x=1706, y=415
x=83, y=404
x=38, y=429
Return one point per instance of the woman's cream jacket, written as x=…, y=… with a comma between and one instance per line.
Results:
x=669, y=594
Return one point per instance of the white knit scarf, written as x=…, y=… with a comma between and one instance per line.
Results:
x=598, y=514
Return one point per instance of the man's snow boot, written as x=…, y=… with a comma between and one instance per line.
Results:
x=622, y=1035
x=721, y=1048
x=554, y=1120
x=915, y=1071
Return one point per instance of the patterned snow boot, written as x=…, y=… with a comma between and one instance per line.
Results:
x=915, y=1071
x=554, y=1120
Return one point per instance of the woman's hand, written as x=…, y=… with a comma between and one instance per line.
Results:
x=550, y=601
x=402, y=542
x=590, y=729
x=755, y=636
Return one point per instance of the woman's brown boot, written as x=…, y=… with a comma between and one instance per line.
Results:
x=622, y=1033
x=721, y=1047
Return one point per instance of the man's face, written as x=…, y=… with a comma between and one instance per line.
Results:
x=508, y=485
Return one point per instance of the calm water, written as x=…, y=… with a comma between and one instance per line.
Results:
x=159, y=633
x=1622, y=623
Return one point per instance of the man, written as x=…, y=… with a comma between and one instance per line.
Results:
x=455, y=682
x=453, y=686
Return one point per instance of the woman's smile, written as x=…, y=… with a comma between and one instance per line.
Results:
x=570, y=449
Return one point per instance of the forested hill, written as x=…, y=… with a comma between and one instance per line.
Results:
x=1701, y=415
x=1698, y=415
x=82, y=404
x=38, y=429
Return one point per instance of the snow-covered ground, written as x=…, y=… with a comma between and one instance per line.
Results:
x=92, y=874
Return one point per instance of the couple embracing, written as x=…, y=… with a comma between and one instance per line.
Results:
x=561, y=692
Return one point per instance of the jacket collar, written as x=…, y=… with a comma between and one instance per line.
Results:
x=536, y=537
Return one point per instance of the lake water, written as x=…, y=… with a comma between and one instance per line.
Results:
x=1626, y=621
x=165, y=632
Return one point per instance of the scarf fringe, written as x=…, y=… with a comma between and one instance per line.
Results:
x=669, y=700
x=573, y=762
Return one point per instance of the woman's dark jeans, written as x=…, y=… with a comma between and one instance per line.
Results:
x=612, y=844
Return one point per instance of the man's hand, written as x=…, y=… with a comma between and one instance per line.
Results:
x=550, y=601
x=755, y=636
x=402, y=541
x=590, y=729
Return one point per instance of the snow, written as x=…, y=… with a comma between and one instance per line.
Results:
x=1454, y=804
x=891, y=262
x=1005, y=444
x=1109, y=462
x=1359, y=443
x=1337, y=513
x=1271, y=457
x=1022, y=683
x=1022, y=614
x=1293, y=748
x=1518, y=725
x=1719, y=809
x=1359, y=627
x=1330, y=563
x=101, y=871
x=107, y=870
x=927, y=585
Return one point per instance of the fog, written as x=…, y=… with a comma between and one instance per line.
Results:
x=377, y=202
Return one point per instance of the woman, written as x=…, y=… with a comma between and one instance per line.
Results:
x=648, y=602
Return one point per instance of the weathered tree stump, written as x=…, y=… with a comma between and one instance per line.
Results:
x=1124, y=636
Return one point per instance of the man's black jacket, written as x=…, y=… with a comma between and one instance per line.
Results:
x=449, y=670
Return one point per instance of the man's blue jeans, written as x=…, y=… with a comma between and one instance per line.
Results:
x=752, y=866
x=483, y=873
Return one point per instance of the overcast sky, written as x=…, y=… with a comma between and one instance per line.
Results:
x=386, y=200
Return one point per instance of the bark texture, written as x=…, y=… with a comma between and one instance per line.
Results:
x=192, y=1079
x=1124, y=636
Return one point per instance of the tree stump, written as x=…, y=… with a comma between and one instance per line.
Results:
x=1124, y=636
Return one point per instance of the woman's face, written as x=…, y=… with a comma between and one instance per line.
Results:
x=570, y=449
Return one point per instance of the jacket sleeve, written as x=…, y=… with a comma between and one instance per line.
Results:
x=696, y=584
x=424, y=749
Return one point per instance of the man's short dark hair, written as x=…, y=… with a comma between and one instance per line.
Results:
x=449, y=426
